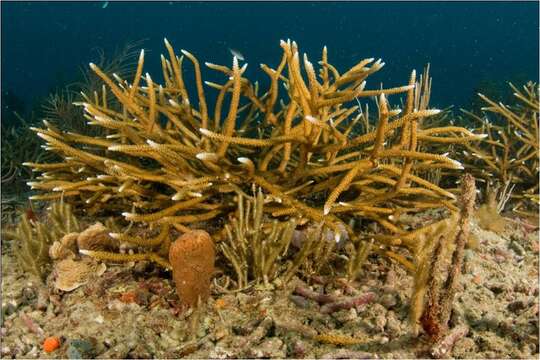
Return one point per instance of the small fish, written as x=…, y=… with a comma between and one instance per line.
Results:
x=105, y=4
x=237, y=53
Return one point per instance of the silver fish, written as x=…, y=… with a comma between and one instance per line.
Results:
x=236, y=53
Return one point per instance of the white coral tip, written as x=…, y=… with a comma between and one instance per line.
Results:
x=311, y=119
x=457, y=164
x=173, y=103
x=206, y=156
x=205, y=132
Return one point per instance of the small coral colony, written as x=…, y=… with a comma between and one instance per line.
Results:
x=298, y=178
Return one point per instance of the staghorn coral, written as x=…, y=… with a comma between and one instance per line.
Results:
x=18, y=143
x=166, y=159
x=98, y=241
x=510, y=154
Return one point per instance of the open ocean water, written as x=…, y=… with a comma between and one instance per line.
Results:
x=470, y=45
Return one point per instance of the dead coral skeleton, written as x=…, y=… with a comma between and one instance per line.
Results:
x=445, y=264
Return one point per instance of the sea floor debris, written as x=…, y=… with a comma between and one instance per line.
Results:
x=132, y=311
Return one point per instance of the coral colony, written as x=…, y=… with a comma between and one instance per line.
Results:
x=304, y=153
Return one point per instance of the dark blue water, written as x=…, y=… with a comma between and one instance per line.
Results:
x=44, y=43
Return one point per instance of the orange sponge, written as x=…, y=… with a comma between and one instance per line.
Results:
x=51, y=343
x=192, y=258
